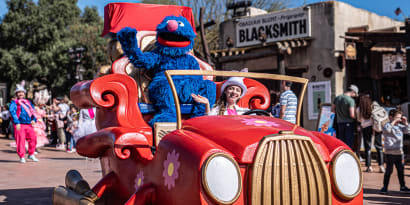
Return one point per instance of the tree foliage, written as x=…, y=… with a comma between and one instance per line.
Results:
x=35, y=38
x=216, y=10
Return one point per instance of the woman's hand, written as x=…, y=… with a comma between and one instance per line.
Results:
x=200, y=99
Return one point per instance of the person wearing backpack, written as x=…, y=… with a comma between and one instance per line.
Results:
x=344, y=107
x=364, y=116
x=380, y=117
x=86, y=123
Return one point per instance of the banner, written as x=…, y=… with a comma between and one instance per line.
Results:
x=318, y=93
x=393, y=63
x=326, y=119
x=277, y=26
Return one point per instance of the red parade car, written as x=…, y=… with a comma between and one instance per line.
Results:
x=242, y=159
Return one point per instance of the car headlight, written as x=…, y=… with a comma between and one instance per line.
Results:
x=221, y=178
x=346, y=174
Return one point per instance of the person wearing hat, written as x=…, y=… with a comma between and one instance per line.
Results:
x=344, y=107
x=232, y=90
x=22, y=113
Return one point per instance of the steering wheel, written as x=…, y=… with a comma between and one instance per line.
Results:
x=257, y=112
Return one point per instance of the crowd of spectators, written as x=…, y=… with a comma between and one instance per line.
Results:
x=56, y=122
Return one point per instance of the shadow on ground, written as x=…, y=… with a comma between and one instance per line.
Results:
x=32, y=196
x=10, y=161
x=393, y=197
x=65, y=158
x=8, y=151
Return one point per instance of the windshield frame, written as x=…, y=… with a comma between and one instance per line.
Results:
x=170, y=73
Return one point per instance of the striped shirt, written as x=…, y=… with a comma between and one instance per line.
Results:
x=289, y=99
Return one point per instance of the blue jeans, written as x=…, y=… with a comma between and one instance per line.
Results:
x=345, y=133
x=70, y=141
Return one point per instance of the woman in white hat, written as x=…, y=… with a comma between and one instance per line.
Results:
x=232, y=90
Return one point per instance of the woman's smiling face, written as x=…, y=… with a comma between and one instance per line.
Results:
x=233, y=93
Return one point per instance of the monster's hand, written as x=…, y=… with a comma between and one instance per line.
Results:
x=128, y=38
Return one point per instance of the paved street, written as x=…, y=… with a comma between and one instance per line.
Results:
x=32, y=183
x=374, y=181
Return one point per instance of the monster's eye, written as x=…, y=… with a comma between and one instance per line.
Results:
x=180, y=23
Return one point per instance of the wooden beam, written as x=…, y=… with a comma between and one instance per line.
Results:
x=378, y=37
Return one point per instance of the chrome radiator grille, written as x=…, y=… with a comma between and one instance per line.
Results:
x=288, y=169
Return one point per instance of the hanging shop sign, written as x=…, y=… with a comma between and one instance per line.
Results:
x=350, y=50
x=393, y=63
x=277, y=26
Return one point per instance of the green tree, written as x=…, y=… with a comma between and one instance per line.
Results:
x=35, y=38
x=87, y=34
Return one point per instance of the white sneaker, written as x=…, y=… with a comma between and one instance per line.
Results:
x=60, y=147
x=22, y=160
x=33, y=158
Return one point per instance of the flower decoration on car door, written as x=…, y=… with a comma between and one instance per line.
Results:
x=139, y=181
x=171, y=166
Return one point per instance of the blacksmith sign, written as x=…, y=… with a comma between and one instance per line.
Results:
x=277, y=26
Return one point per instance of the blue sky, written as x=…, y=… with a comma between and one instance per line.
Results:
x=381, y=7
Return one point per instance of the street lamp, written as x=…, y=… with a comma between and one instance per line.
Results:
x=76, y=54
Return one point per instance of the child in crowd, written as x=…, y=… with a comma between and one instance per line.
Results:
x=275, y=109
x=72, y=127
x=393, y=148
x=52, y=127
x=73, y=112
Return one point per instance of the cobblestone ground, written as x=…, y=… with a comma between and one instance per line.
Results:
x=33, y=182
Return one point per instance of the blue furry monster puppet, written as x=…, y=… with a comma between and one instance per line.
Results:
x=175, y=38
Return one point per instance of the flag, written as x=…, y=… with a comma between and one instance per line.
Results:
x=397, y=11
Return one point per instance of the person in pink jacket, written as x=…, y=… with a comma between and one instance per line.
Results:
x=22, y=113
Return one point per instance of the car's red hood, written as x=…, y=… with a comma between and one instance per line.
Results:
x=240, y=135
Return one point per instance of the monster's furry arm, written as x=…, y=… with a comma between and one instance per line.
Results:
x=129, y=43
